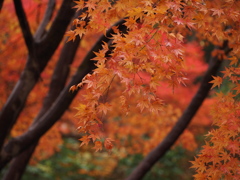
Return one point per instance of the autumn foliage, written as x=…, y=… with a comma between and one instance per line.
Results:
x=139, y=86
x=152, y=53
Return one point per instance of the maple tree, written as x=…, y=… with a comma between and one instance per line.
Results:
x=136, y=82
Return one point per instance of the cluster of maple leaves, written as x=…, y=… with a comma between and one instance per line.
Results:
x=151, y=53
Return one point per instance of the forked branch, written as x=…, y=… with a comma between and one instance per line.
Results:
x=17, y=145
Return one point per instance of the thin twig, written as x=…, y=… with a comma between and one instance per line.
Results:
x=28, y=38
x=47, y=17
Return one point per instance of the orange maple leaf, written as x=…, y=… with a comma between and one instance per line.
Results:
x=104, y=107
x=71, y=35
x=79, y=31
x=98, y=146
x=216, y=82
x=85, y=140
x=94, y=136
x=234, y=60
x=73, y=88
x=218, y=12
x=108, y=144
x=80, y=4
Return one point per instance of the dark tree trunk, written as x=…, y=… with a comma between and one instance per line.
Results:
x=39, y=55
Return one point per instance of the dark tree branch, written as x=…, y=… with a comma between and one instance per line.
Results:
x=60, y=75
x=17, y=99
x=18, y=165
x=28, y=38
x=59, y=78
x=183, y=121
x=58, y=81
x=17, y=145
x=47, y=17
x=51, y=40
x=1, y=4
x=74, y=136
x=31, y=72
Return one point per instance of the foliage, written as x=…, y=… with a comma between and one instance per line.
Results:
x=219, y=158
x=148, y=66
x=153, y=51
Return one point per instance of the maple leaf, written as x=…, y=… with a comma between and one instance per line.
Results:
x=146, y=3
x=80, y=31
x=197, y=164
x=104, y=107
x=234, y=60
x=143, y=104
x=71, y=35
x=162, y=8
x=228, y=72
x=136, y=13
x=80, y=4
x=233, y=146
x=200, y=176
x=85, y=140
x=75, y=22
x=73, y=88
x=100, y=57
x=217, y=12
x=237, y=88
x=131, y=23
x=108, y=144
x=90, y=5
x=97, y=146
x=179, y=21
x=216, y=82
x=94, y=136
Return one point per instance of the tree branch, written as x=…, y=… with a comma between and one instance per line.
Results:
x=31, y=72
x=58, y=27
x=182, y=122
x=58, y=81
x=1, y=4
x=17, y=145
x=24, y=25
x=47, y=17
